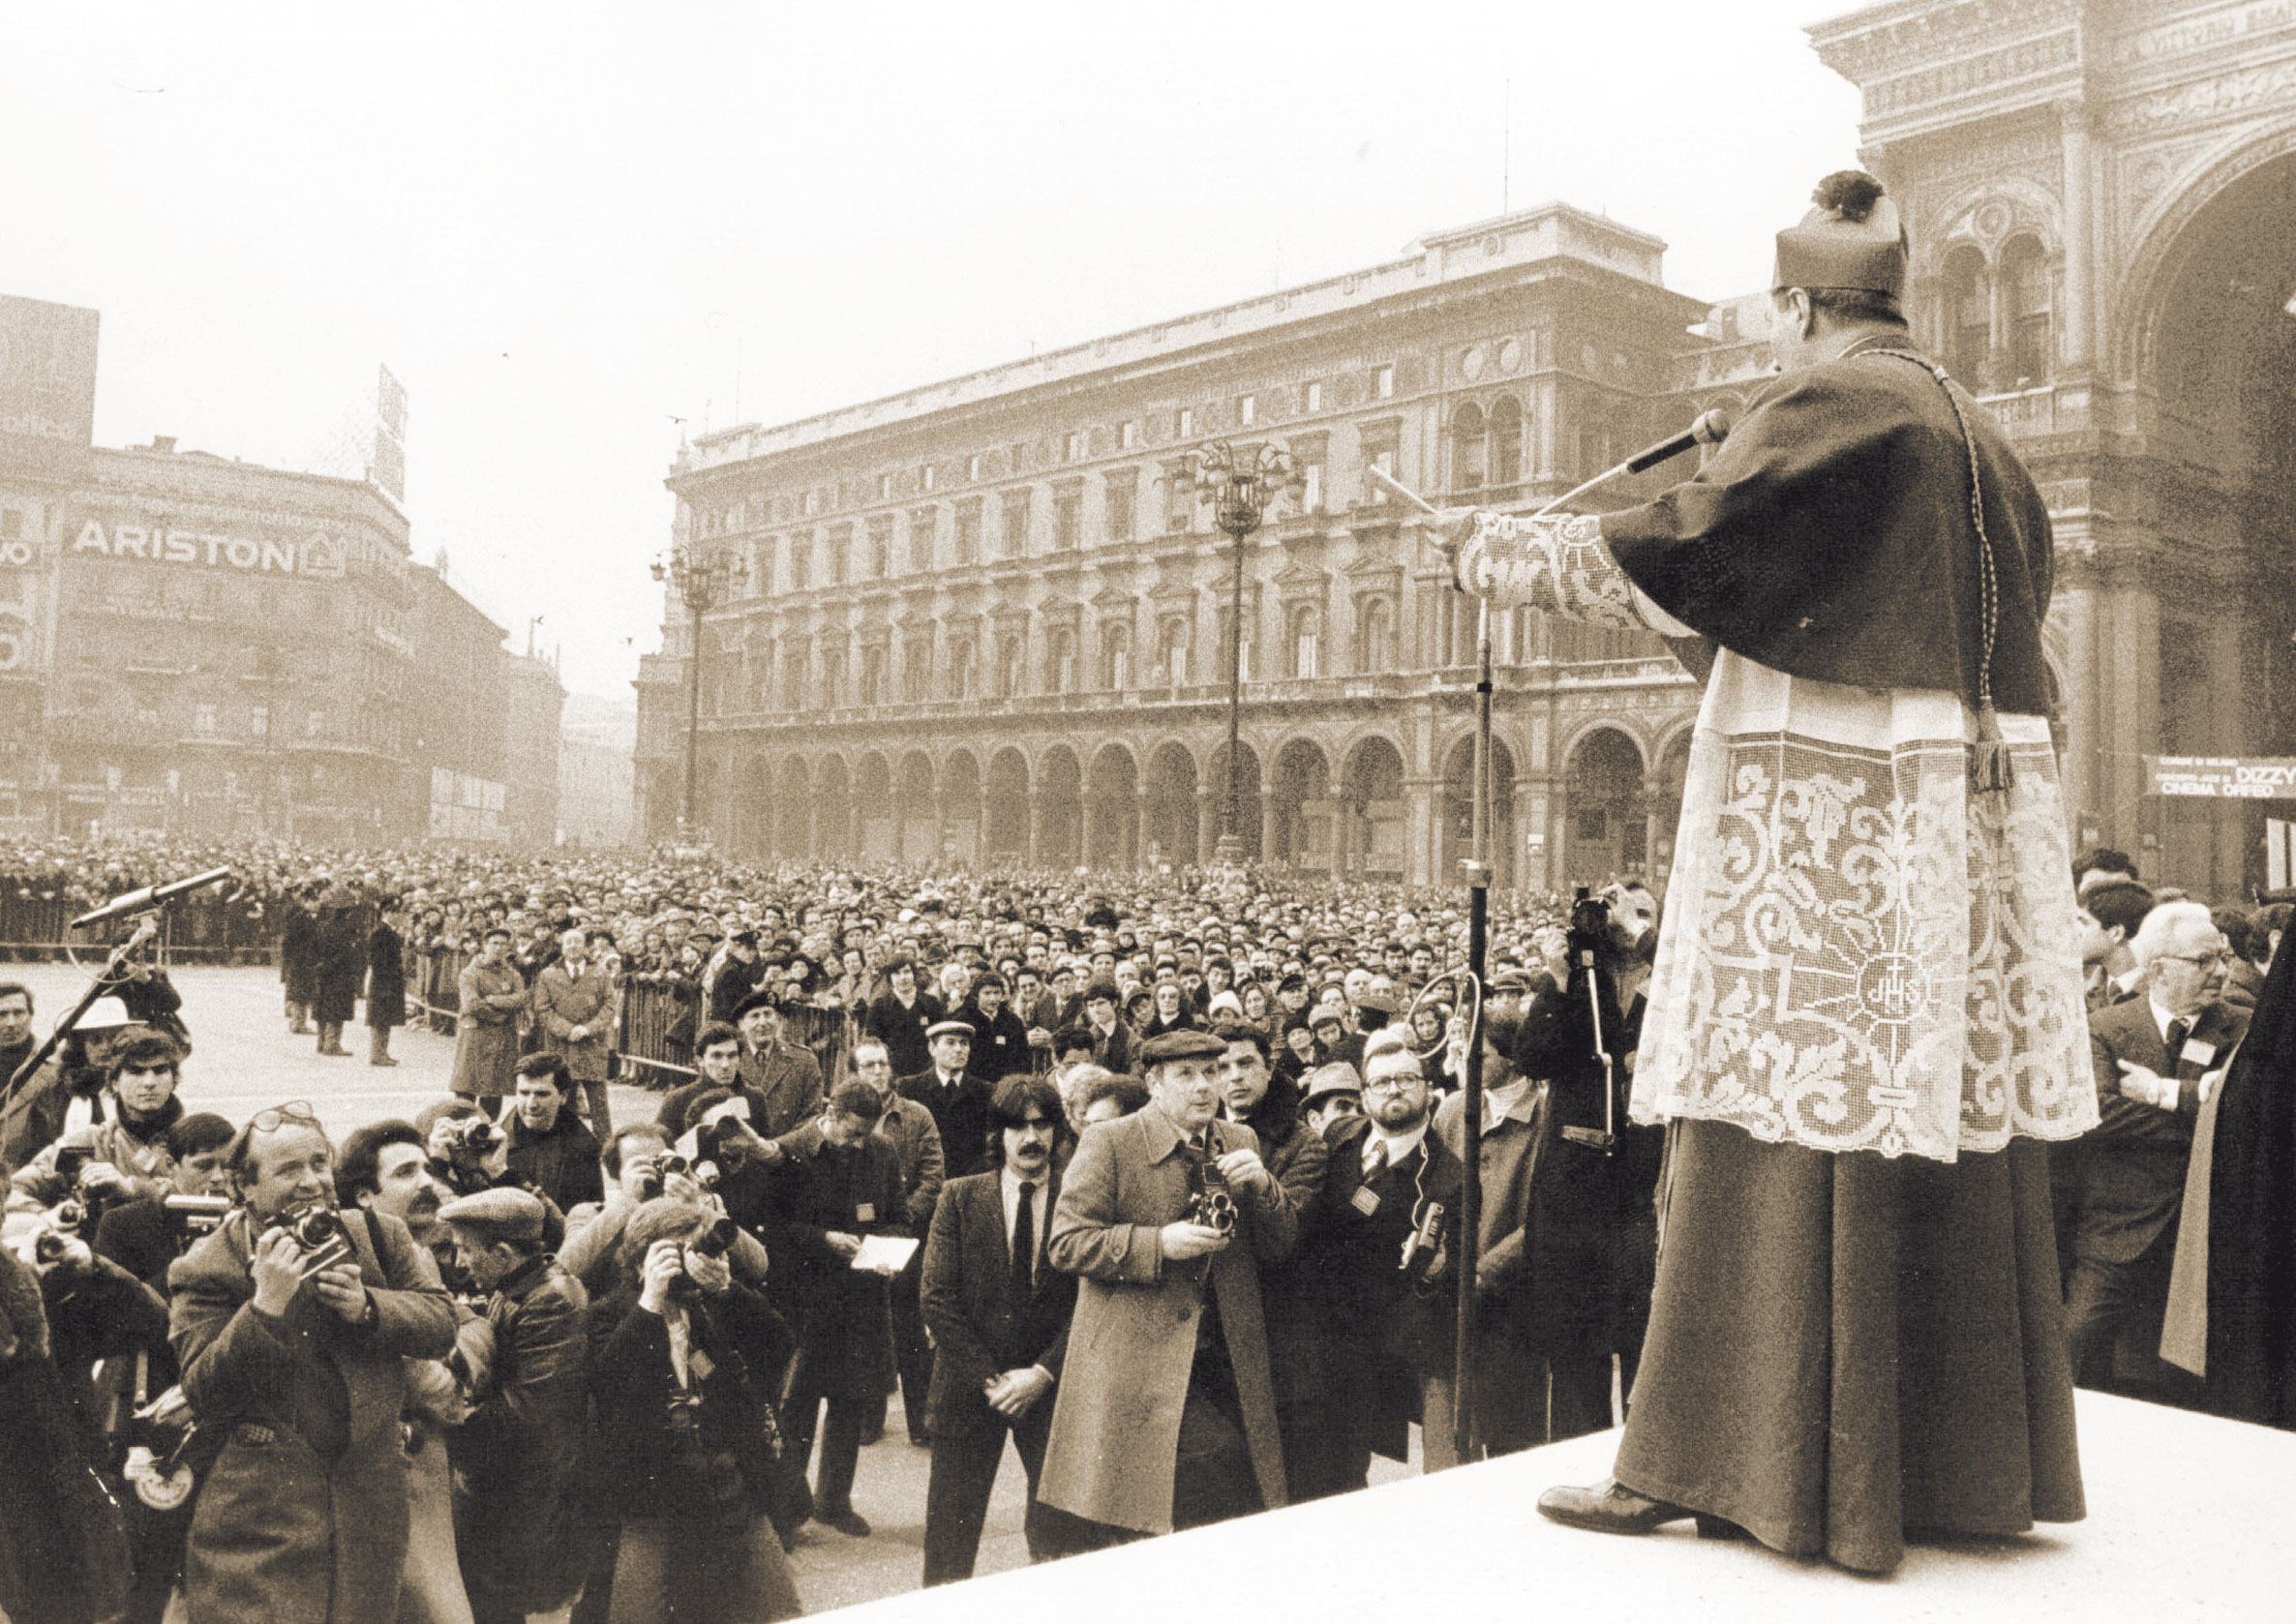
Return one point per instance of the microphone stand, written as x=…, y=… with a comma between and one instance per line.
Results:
x=15, y=1097
x=1477, y=869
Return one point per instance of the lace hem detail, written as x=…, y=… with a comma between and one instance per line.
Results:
x=1859, y=954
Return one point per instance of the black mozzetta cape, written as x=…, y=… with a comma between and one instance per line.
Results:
x=1831, y=538
x=2251, y=1216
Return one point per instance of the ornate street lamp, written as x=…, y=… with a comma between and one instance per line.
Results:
x=703, y=581
x=1239, y=481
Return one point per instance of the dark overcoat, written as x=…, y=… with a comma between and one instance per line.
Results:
x=304, y=1513
x=386, y=978
x=843, y=1317
x=1116, y=1414
x=298, y=953
x=341, y=965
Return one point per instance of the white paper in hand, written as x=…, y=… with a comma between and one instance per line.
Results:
x=884, y=1254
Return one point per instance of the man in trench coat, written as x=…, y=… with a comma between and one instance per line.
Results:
x=300, y=1375
x=1165, y=1414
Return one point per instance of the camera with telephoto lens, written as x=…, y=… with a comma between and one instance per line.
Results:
x=1209, y=1201
x=187, y=1216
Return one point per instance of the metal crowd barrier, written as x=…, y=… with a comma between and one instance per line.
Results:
x=204, y=928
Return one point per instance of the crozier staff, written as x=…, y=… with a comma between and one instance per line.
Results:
x=1866, y=1008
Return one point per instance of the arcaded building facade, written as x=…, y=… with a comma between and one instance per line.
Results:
x=987, y=620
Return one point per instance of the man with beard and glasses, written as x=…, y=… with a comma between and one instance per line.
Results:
x=999, y=1315
x=1376, y=1267
x=298, y=1365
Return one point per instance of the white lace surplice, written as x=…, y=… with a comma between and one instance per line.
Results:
x=1859, y=954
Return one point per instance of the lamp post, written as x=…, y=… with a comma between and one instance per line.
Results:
x=701, y=581
x=1239, y=481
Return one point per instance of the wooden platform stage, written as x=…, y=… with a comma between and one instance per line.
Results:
x=2189, y=1517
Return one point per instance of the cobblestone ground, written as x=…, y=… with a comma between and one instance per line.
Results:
x=243, y=1060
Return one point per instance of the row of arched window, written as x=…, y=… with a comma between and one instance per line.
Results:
x=798, y=673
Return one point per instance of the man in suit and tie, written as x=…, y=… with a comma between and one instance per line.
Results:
x=574, y=1006
x=2157, y=1057
x=957, y=1100
x=999, y=1315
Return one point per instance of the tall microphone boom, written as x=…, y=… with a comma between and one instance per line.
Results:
x=1710, y=429
x=150, y=896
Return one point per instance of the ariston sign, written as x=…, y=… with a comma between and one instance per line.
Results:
x=316, y=555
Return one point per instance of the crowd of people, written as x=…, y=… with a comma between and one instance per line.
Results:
x=1159, y=1179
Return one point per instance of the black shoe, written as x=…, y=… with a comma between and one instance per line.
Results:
x=382, y=1060
x=1609, y=1507
x=845, y=1520
x=873, y=1433
x=920, y=1440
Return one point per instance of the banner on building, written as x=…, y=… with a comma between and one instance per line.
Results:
x=47, y=389
x=389, y=472
x=2223, y=777
x=247, y=550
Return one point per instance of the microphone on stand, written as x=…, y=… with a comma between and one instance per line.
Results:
x=1710, y=429
x=150, y=896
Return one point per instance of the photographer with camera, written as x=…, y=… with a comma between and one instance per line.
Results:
x=1590, y=1234
x=687, y=1441
x=293, y=1327
x=1165, y=1414
x=124, y=1156
x=515, y=1457
x=639, y=1167
x=66, y=1095
x=1377, y=1268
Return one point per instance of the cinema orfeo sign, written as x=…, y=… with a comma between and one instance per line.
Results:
x=316, y=554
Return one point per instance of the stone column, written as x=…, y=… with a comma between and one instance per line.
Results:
x=1093, y=822
x=940, y=823
x=2079, y=321
x=1035, y=827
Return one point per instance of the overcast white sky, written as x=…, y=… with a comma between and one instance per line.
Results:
x=563, y=225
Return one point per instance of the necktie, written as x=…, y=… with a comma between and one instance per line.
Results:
x=1024, y=1246
x=1375, y=1160
x=2178, y=1031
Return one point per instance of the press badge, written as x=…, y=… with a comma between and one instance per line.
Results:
x=1365, y=1200
x=2198, y=1052
x=865, y=1213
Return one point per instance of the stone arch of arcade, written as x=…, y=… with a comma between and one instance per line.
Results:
x=1112, y=808
x=1373, y=825
x=1005, y=817
x=1605, y=818
x=1173, y=817
x=834, y=809
x=793, y=810
x=1255, y=809
x=1458, y=810
x=917, y=830
x=959, y=814
x=1300, y=809
x=2189, y=653
x=753, y=809
x=1060, y=808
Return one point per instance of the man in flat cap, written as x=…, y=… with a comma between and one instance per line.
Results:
x=1863, y=1040
x=1165, y=1414
x=516, y=1456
